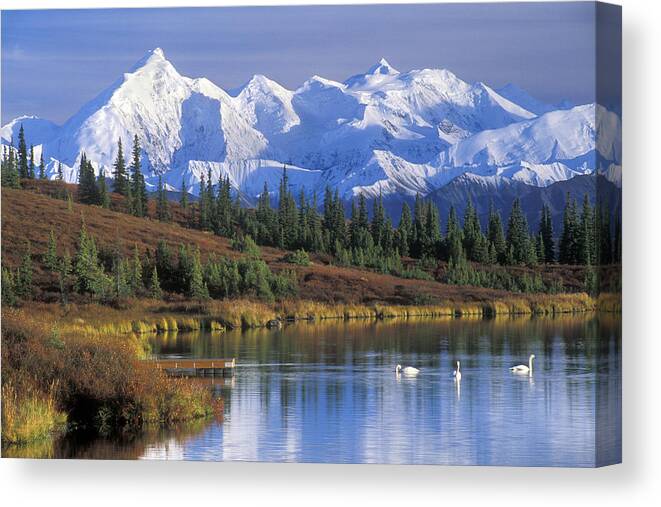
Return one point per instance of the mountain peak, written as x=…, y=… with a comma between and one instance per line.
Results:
x=153, y=56
x=382, y=67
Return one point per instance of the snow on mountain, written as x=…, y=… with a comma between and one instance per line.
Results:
x=246, y=176
x=267, y=106
x=37, y=130
x=381, y=132
x=555, y=136
x=176, y=119
x=376, y=76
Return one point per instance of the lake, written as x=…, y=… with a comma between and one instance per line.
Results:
x=328, y=392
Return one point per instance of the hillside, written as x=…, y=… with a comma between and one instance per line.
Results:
x=31, y=214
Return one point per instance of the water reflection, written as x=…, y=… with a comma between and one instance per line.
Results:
x=328, y=392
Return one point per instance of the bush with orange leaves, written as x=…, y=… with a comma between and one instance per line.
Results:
x=96, y=381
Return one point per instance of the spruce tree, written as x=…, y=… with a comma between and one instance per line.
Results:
x=42, y=167
x=567, y=248
x=22, y=154
x=162, y=205
x=24, y=274
x=404, y=231
x=138, y=187
x=121, y=180
x=545, y=233
x=88, y=192
x=202, y=204
x=495, y=235
x=453, y=237
x=60, y=175
x=518, y=239
x=586, y=237
x=90, y=278
x=183, y=198
x=10, y=177
x=31, y=164
x=155, y=291
x=51, y=260
x=197, y=289
x=473, y=241
x=102, y=191
x=135, y=272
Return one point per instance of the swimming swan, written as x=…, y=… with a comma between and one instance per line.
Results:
x=409, y=370
x=522, y=368
x=457, y=372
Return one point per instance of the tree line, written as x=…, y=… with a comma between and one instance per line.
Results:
x=298, y=223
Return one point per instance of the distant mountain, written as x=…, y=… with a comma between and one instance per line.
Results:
x=383, y=132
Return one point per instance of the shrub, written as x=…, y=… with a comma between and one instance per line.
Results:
x=299, y=257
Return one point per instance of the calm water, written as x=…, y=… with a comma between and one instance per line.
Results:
x=329, y=393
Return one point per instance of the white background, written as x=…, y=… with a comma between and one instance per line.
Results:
x=636, y=482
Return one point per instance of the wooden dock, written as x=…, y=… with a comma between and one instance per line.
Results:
x=196, y=367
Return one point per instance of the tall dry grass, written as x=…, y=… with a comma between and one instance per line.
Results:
x=97, y=380
x=29, y=415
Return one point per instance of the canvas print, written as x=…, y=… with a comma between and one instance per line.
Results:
x=343, y=234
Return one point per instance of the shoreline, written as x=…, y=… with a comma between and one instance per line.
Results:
x=147, y=316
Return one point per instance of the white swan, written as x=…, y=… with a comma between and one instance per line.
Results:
x=409, y=370
x=522, y=368
x=457, y=372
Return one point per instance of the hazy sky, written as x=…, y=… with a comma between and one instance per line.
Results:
x=54, y=61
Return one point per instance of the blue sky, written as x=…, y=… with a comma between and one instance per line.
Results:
x=54, y=61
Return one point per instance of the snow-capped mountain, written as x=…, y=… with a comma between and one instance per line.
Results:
x=381, y=132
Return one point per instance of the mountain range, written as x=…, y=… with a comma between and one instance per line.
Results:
x=384, y=132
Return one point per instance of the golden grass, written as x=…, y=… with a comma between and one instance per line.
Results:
x=148, y=317
x=28, y=415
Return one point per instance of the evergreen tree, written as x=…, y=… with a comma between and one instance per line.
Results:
x=404, y=231
x=197, y=289
x=378, y=225
x=547, y=252
x=162, y=205
x=10, y=177
x=23, y=169
x=51, y=260
x=24, y=274
x=138, y=187
x=202, y=204
x=90, y=278
x=135, y=272
x=155, y=291
x=183, y=198
x=60, y=175
x=31, y=164
x=569, y=238
x=223, y=215
x=42, y=167
x=64, y=276
x=474, y=243
x=518, y=239
x=87, y=190
x=287, y=215
x=121, y=276
x=453, y=237
x=431, y=231
x=585, y=237
x=102, y=191
x=496, y=236
x=121, y=179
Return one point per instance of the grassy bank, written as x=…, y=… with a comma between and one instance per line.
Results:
x=52, y=374
x=144, y=316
